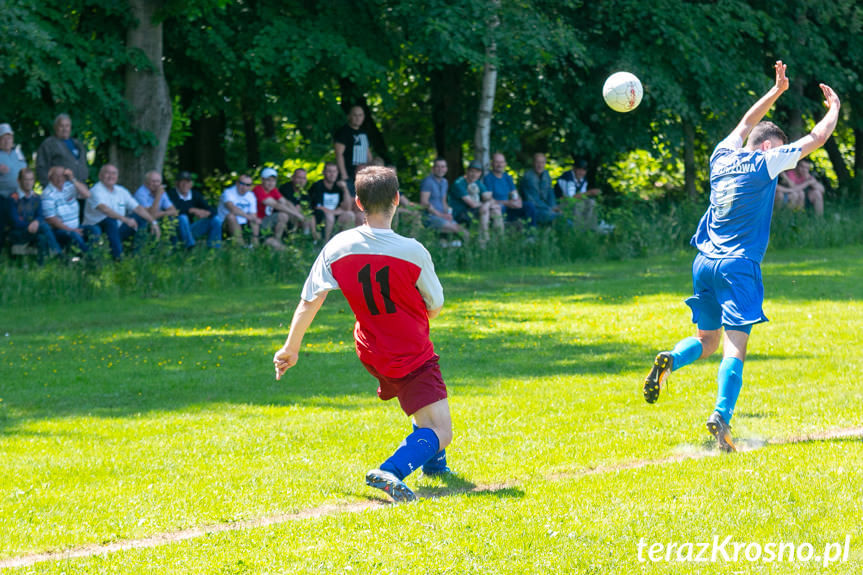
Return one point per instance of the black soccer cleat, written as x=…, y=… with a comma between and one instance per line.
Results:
x=390, y=484
x=662, y=366
x=719, y=429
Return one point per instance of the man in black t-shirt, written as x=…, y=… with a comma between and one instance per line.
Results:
x=352, y=147
x=197, y=219
x=297, y=198
x=330, y=200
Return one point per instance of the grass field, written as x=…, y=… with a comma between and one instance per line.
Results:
x=149, y=417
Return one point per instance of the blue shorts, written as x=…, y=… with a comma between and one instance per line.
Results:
x=727, y=292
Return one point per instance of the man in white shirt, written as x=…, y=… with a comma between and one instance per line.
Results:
x=112, y=209
x=238, y=206
x=60, y=206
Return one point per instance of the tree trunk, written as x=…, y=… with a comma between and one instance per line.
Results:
x=482, y=139
x=795, y=114
x=204, y=153
x=689, y=160
x=446, y=86
x=146, y=92
x=250, y=130
x=843, y=176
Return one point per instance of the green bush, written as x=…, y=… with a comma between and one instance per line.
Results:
x=641, y=228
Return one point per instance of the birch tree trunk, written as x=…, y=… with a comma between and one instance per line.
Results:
x=147, y=94
x=482, y=138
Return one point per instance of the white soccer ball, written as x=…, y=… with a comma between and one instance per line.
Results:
x=622, y=92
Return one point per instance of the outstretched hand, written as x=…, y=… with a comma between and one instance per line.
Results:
x=781, y=78
x=830, y=97
x=283, y=360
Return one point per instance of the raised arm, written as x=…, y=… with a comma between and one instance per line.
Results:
x=823, y=129
x=760, y=108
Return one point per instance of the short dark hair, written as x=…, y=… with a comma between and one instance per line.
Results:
x=377, y=189
x=766, y=131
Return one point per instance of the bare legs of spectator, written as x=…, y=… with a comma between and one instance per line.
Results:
x=584, y=214
x=489, y=210
x=345, y=218
x=815, y=193
x=235, y=229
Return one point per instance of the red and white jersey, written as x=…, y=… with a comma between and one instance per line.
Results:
x=390, y=284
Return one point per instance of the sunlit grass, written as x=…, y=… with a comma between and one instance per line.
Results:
x=140, y=417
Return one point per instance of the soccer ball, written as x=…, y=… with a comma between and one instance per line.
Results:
x=622, y=92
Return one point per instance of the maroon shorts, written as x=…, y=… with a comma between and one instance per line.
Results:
x=423, y=386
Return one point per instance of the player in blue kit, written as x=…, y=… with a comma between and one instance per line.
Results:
x=731, y=239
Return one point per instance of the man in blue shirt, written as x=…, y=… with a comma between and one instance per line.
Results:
x=731, y=239
x=504, y=192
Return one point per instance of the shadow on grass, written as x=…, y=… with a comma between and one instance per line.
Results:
x=126, y=361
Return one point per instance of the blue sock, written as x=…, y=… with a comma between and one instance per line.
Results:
x=730, y=382
x=438, y=461
x=685, y=352
x=415, y=450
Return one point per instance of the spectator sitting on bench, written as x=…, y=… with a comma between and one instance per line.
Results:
x=28, y=225
x=60, y=206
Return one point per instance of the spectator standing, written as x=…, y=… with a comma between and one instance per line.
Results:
x=505, y=194
x=471, y=200
x=28, y=225
x=331, y=201
x=11, y=161
x=196, y=218
x=60, y=207
x=352, y=148
x=239, y=207
x=573, y=184
x=433, y=197
x=111, y=209
x=536, y=189
x=61, y=150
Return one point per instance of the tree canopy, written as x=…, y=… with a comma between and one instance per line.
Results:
x=256, y=81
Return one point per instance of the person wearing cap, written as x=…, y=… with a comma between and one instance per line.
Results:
x=536, y=189
x=61, y=150
x=238, y=207
x=273, y=209
x=196, y=218
x=60, y=207
x=11, y=161
x=112, y=210
x=573, y=184
x=471, y=200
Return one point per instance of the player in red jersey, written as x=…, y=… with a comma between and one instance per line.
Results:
x=391, y=286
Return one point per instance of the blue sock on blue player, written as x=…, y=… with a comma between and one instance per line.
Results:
x=437, y=464
x=415, y=450
x=730, y=382
x=685, y=352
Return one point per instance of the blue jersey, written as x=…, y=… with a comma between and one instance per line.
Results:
x=742, y=188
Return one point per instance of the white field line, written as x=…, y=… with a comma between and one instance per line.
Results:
x=195, y=532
